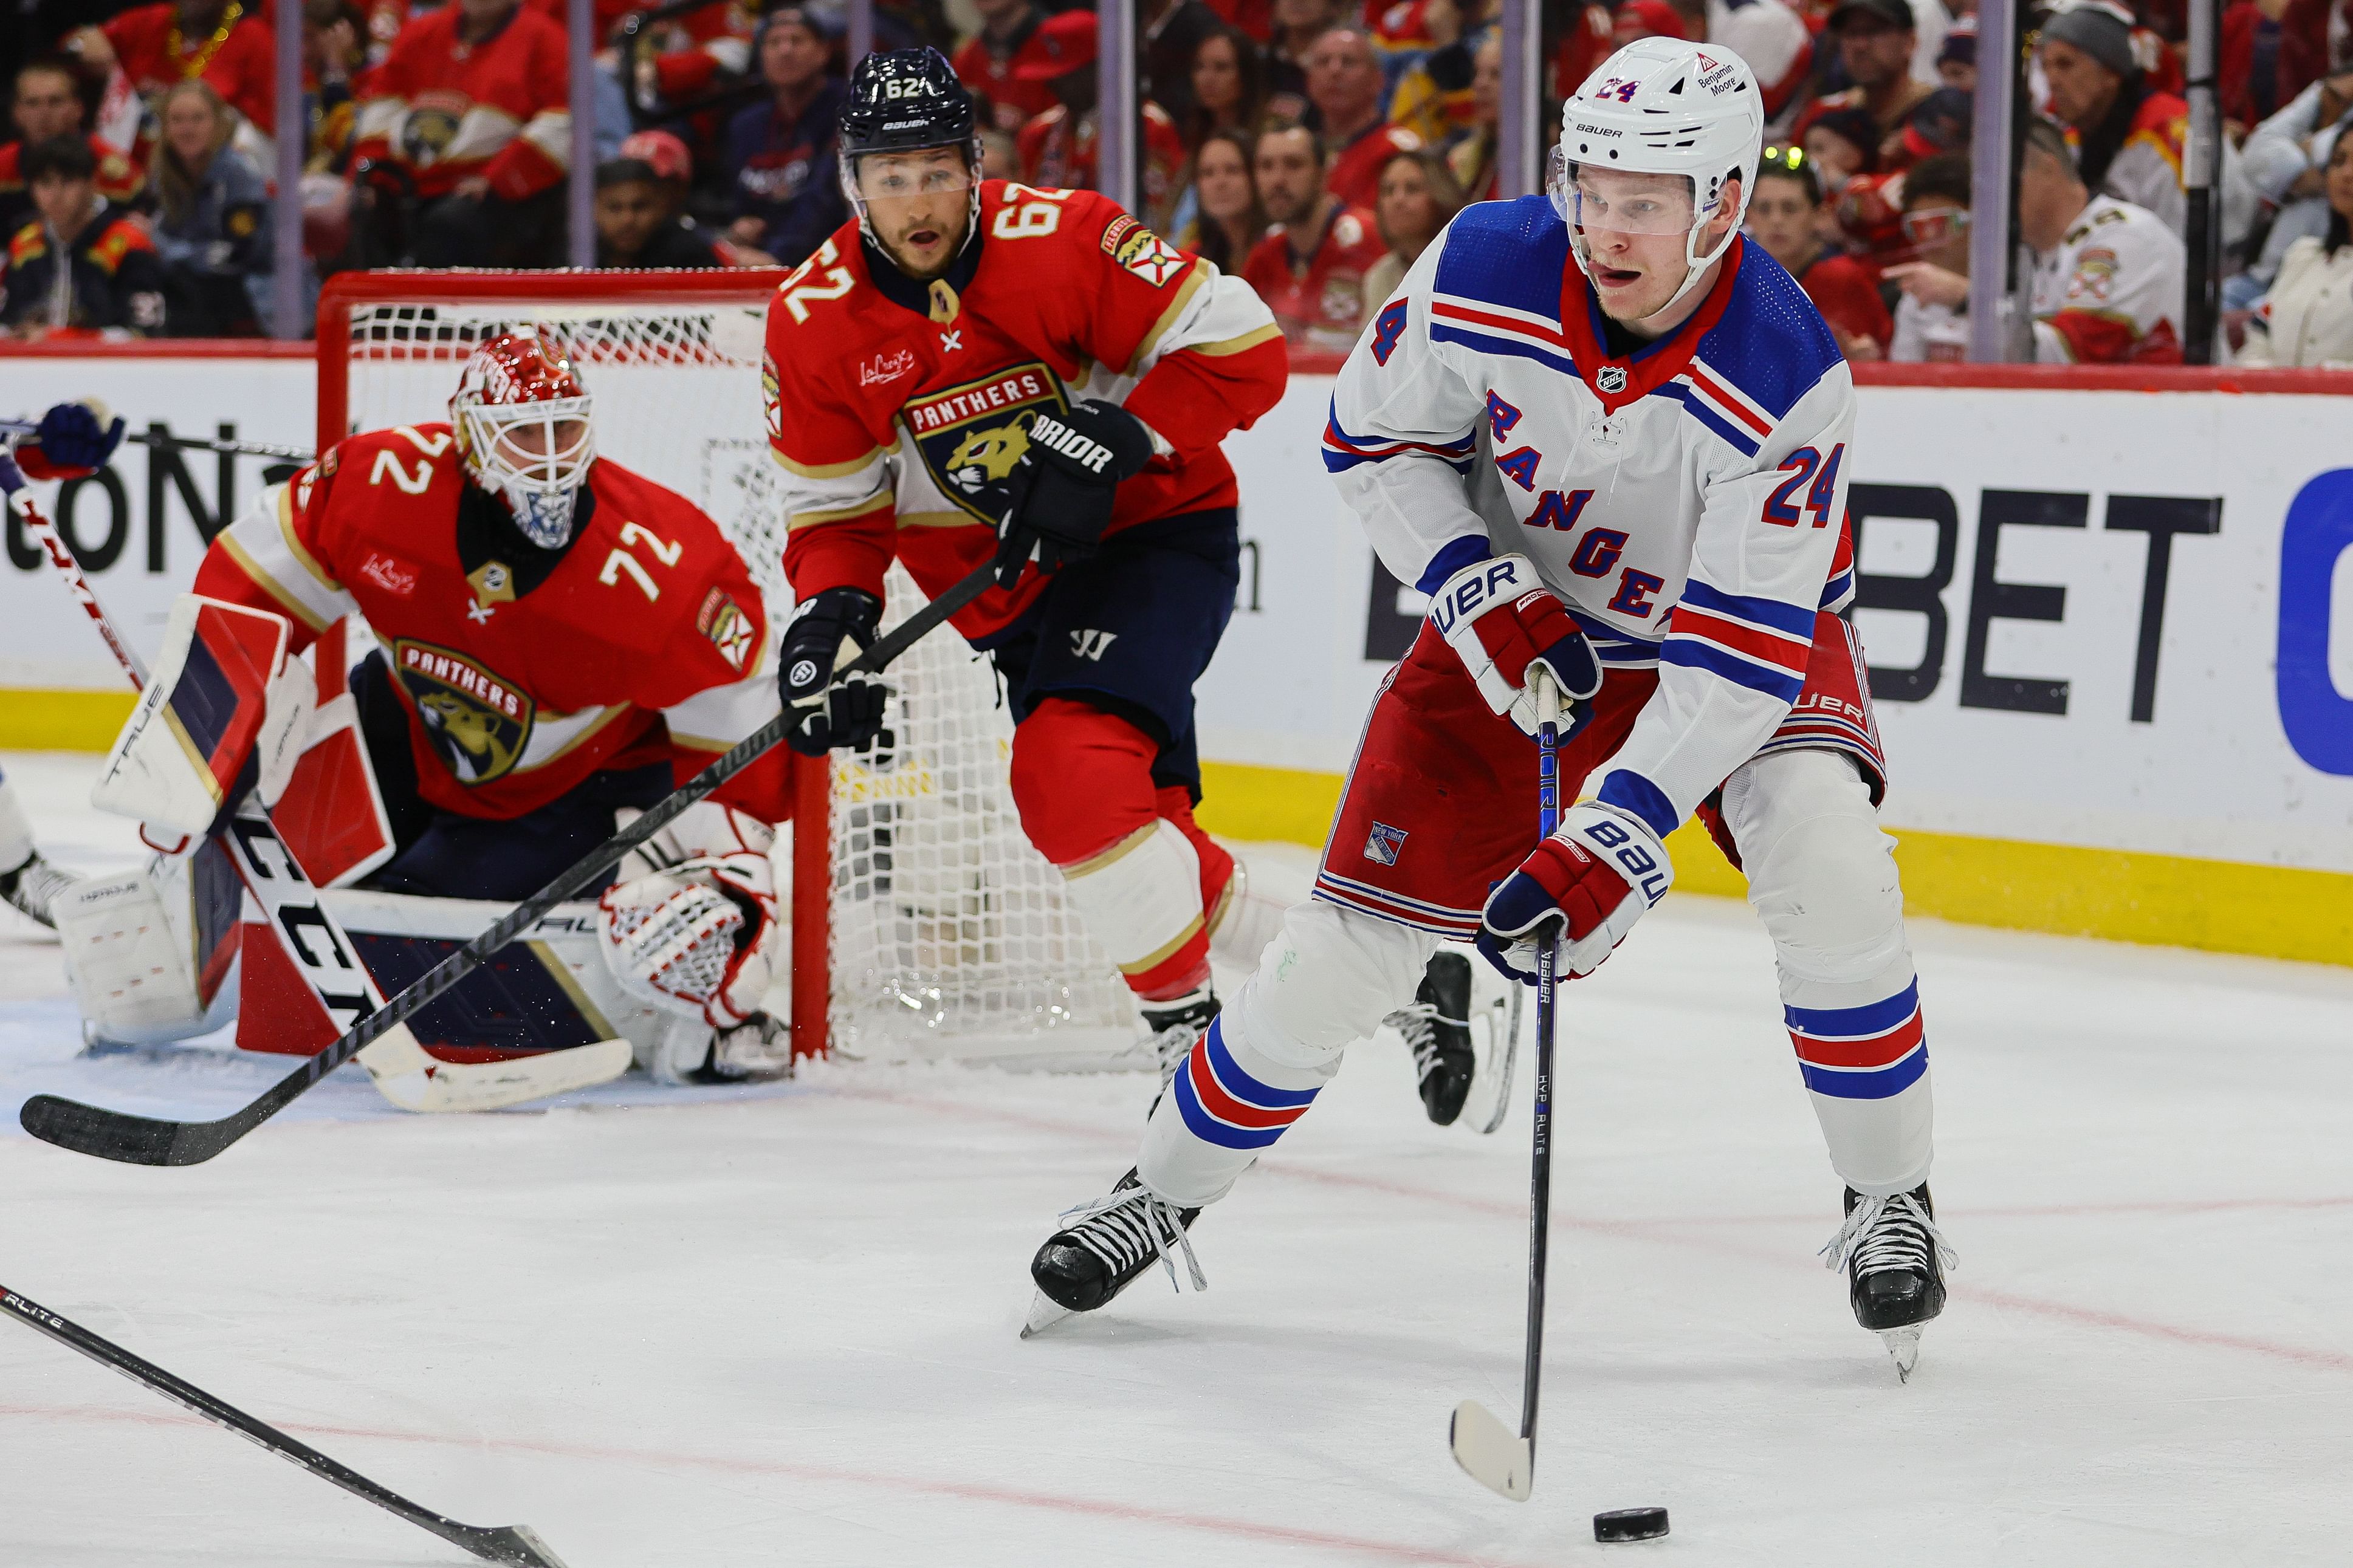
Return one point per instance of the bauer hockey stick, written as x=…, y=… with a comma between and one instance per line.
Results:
x=401, y=1070
x=511, y=1543
x=1482, y=1445
x=148, y=1141
x=165, y=442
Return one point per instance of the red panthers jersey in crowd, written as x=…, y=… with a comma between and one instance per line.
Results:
x=988, y=70
x=117, y=181
x=1319, y=301
x=240, y=60
x=446, y=109
x=900, y=410
x=642, y=642
x=1355, y=174
x=1056, y=151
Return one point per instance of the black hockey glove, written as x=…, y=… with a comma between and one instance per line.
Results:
x=1069, y=477
x=831, y=629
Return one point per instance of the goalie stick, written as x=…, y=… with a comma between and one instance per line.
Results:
x=148, y=1141
x=1482, y=1445
x=163, y=441
x=403, y=1071
x=513, y=1543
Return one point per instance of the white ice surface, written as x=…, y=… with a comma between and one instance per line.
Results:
x=779, y=1327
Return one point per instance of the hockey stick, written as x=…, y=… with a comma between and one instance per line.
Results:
x=1482, y=1445
x=162, y=442
x=513, y=1543
x=146, y=1141
x=403, y=1071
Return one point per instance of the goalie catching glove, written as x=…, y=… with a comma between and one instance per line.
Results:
x=829, y=629
x=1075, y=464
x=1500, y=620
x=1596, y=875
x=698, y=936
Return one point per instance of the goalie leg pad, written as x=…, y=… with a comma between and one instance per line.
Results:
x=225, y=710
x=150, y=953
x=1822, y=877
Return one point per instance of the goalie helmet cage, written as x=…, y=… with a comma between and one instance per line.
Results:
x=924, y=924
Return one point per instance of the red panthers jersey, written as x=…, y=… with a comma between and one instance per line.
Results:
x=446, y=109
x=643, y=642
x=900, y=409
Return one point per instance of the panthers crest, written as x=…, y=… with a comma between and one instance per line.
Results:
x=973, y=437
x=478, y=722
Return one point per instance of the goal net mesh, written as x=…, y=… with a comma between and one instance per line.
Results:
x=950, y=936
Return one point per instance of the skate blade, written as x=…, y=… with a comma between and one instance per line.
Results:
x=1903, y=1344
x=1495, y=1458
x=1044, y=1313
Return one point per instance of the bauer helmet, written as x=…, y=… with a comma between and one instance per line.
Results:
x=906, y=101
x=522, y=418
x=1662, y=106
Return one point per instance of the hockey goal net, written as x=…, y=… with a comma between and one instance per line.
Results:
x=925, y=926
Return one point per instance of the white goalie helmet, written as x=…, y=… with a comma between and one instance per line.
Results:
x=1662, y=106
x=522, y=423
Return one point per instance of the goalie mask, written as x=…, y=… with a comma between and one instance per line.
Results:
x=1661, y=106
x=907, y=100
x=522, y=418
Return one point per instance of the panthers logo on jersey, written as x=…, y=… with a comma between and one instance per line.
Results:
x=973, y=437
x=478, y=722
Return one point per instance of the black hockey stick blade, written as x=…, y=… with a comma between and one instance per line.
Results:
x=511, y=1543
x=145, y=1140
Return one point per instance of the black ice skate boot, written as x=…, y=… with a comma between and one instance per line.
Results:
x=1174, y=1026
x=1437, y=1027
x=1896, y=1260
x=33, y=887
x=1103, y=1247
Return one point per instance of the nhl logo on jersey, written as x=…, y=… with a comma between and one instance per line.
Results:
x=1610, y=378
x=1382, y=843
x=475, y=719
x=971, y=437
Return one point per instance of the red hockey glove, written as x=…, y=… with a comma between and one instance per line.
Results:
x=1500, y=618
x=1596, y=875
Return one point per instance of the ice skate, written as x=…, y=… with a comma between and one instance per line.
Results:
x=1103, y=1247
x=33, y=887
x=1896, y=1260
x=1436, y=1029
x=1174, y=1026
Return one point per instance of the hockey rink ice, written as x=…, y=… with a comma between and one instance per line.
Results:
x=778, y=1325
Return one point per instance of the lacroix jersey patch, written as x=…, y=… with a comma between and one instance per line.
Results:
x=973, y=437
x=478, y=722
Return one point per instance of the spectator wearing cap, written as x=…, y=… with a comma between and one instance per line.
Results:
x=1057, y=148
x=1785, y=217
x=1941, y=123
x=81, y=267
x=47, y=103
x=639, y=195
x=1310, y=268
x=1637, y=19
x=1768, y=35
x=2108, y=277
x=219, y=41
x=2307, y=319
x=780, y=158
x=986, y=63
x=2129, y=136
x=212, y=219
x=1957, y=60
x=1932, y=315
x=1346, y=89
x=1876, y=41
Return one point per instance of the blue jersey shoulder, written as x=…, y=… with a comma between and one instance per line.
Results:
x=1770, y=342
x=1506, y=253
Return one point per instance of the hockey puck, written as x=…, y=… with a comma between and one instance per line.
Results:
x=1630, y=1524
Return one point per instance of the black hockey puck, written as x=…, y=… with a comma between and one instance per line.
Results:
x=1630, y=1524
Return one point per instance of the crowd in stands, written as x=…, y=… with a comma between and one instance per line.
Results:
x=1314, y=147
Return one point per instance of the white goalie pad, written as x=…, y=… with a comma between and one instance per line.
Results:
x=153, y=954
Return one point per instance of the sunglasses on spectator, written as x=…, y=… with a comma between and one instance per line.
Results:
x=1936, y=227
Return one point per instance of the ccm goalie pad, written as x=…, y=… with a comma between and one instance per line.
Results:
x=694, y=929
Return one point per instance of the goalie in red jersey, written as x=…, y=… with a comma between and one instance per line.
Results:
x=560, y=639
x=973, y=369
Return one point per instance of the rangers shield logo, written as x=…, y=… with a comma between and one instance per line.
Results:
x=479, y=724
x=1382, y=843
x=973, y=437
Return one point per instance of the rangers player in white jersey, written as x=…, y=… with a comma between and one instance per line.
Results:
x=1615, y=446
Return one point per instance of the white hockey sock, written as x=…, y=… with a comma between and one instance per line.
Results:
x=15, y=831
x=1142, y=899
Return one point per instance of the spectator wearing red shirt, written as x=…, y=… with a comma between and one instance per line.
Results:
x=48, y=104
x=1785, y=217
x=223, y=41
x=1057, y=148
x=1345, y=86
x=472, y=103
x=1875, y=40
x=1310, y=268
x=986, y=63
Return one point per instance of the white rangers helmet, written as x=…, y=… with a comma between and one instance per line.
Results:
x=1663, y=106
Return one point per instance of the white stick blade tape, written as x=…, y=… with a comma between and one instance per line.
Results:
x=1491, y=1454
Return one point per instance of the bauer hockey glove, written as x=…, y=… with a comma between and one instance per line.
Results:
x=73, y=441
x=1499, y=618
x=1070, y=476
x=1596, y=875
x=831, y=629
